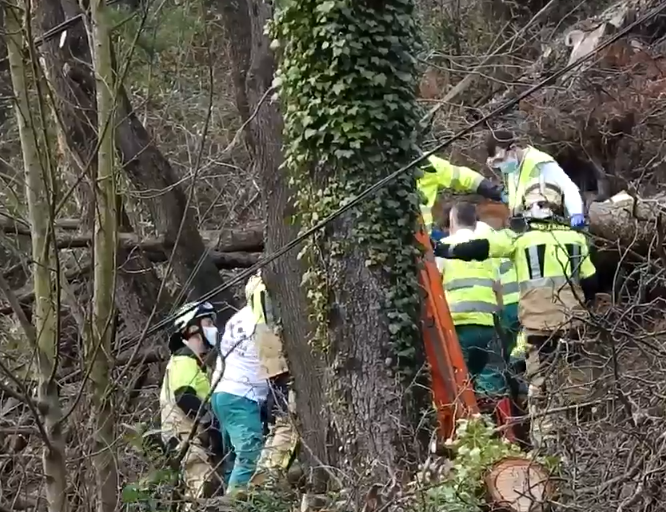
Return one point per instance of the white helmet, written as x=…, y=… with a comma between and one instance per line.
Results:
x=542, y=200
x=252, y=284
x=188, y=313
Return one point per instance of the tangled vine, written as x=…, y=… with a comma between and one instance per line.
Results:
x=347, y=82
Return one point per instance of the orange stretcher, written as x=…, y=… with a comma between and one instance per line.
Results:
x=453, y=393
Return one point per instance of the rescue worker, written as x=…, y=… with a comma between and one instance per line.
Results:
x=440, y=174
x=282, y=440
x=470, y=290
x=521, y=165
x=183, y=396
x=555, y=275
x=238, y=396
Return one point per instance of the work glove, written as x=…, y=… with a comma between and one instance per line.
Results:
x=437, y=234
x=577, y=220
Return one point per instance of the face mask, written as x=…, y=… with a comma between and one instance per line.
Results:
x=509, y=166
x=211, y=334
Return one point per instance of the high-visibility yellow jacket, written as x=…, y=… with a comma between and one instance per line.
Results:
x=505, y=269
x=509, y=282
x=441, y=174
x=469, y=286
x=269, y=345
x=184, y=370
x=516, y=183
x=550, y=263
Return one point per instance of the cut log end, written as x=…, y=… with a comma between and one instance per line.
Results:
x=515, y=484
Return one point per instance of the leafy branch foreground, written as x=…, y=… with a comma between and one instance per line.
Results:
x=452, y=484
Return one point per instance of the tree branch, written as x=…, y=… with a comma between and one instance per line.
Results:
x=248, y=239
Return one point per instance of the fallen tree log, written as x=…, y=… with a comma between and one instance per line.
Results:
x=624, y=222
x=223, y=260
x=12, y=225
x=248, y=239
x=515, y=484
x=619, y=223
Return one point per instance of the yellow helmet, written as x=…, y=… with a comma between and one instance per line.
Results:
x=252, y=284
x=542, y=200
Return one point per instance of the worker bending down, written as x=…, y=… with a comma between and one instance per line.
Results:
x=524, y=167
x=239, y=395
x=555, y=278
x=440, y=174
x=185, y=389
x=282, y=441
x=470, y=290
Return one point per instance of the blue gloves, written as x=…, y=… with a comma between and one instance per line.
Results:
x=505, y=197
x=437, y=234
x=577, y=220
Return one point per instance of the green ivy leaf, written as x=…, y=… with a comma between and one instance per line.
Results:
x=130, y=494
x=380, y=79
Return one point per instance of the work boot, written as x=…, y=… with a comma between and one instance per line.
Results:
x=295, y=474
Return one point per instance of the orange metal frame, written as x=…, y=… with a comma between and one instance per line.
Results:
x=452, y=390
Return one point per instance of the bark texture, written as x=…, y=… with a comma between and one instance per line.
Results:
x=283, y=277
x=105, y=241
x=46, y=309
x=73, y=86
x=145, y=166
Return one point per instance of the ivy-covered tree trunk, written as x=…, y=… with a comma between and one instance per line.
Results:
x=347, y=80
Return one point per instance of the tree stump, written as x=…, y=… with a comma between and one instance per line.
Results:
x=515, y=484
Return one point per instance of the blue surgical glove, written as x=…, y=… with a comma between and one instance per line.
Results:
x=577, y=220
x=437, y=234
x=505, y=197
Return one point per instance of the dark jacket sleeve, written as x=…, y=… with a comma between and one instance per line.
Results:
x=590, y=286
x=189, y=402
x=474, y=250
x=490, y=190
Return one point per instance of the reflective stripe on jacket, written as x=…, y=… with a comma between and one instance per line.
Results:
x=469, y=286
x=550, y=262
x=509, y=282
x=445, y=176
x=517, y=182
x=183, y=370
x=269, y=344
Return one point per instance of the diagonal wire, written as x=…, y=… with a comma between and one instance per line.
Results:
x=388, y=179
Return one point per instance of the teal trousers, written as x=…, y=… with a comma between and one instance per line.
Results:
x=240, y=419
x=511, y=326
x=481, y=348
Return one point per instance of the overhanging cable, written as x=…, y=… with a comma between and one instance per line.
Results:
x=384, y=181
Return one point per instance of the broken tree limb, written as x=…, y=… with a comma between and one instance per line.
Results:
x=621, y=222
x=625, y=222
x=13, y=225
x=223, y=260
x=249, y=239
